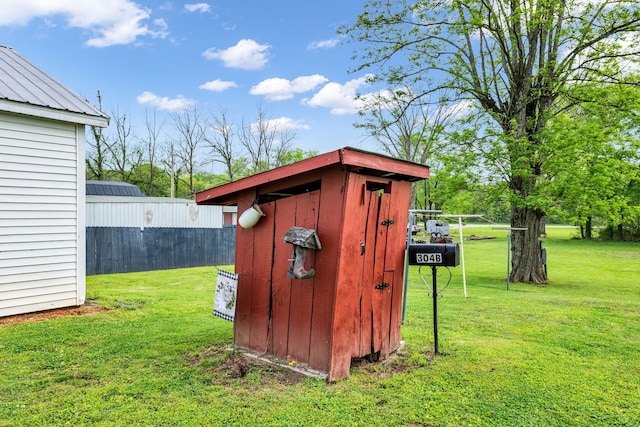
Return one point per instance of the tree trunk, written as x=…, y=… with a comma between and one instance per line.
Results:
x=414, y=190
x=588, y=234
x=620, y=233
x=526, y=261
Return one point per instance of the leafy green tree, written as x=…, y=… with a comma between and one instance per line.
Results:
x=600, y=156
x=296, y=155
x=141, y=177
x=406, y=127
x=517, y=62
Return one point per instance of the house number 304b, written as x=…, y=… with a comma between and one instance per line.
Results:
x=429, y=258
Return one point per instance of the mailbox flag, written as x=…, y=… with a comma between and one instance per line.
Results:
x=224, y=304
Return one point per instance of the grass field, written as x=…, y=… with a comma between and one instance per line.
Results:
x=563, y=354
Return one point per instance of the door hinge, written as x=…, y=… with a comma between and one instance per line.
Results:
x=381, y=286
x=387, y=222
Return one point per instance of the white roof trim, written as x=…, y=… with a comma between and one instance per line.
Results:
x=96, y=198
x=49, y=113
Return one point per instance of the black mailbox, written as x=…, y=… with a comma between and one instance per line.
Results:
x=444, y=254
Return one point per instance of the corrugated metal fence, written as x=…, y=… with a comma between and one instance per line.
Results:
x=126, y=234
x=126, y=249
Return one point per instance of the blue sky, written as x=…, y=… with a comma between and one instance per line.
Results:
x=284, y=55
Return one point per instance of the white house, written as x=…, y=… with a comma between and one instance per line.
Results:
x=42, y=188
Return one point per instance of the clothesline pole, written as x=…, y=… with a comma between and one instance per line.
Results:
x=464, y=274
x=509, y=230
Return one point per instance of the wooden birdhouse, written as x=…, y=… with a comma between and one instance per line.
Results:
x=321, y=262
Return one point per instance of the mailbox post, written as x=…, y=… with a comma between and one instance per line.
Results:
x=434, y=255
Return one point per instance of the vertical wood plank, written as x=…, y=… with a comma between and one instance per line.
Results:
x=261, y=280
x=379, y=296
x=281, y=295
x=396, y=246
x=302, y=291
x=347, y=326
x=243, y=266
x=385, y=313
x=329, y=228
x=366, y=302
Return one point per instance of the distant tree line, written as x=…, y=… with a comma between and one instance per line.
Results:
x=596, y=182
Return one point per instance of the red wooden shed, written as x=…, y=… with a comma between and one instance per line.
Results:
x=357, y=203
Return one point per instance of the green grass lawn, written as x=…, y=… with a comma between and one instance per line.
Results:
x=563, y=354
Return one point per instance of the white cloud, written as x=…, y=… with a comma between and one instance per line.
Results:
x=459, y=109
x=341, y=99
x=164, y=103
x=246, y=55
x=217, y=85
x=198, y=7
x=161, y=30
x=283, y=124
x=109, y=22
x=278, y=89
x=323, y=44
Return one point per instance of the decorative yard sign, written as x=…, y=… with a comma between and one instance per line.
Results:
x=224, y=304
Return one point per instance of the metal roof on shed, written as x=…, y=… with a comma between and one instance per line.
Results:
x=23, y=83
x=112, y=188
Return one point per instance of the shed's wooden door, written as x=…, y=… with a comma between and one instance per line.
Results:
x=385, y=238
x=369, y=289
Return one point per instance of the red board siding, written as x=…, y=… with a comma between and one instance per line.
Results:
x=244, y=268
x=261, y=280
x=281, y=295
x=330, y=224
x=303, y=291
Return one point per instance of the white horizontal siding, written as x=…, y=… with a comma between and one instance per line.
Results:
x=13, y=164
x=34, y=295
x=7, y=240
x=32, y=254
x=14, y=249
x=39, y=221
x=62, y=281
x=37, y=261
x=31, y=224
x=25, y=305
x=46, y=265
x=26, y=214
x=158, y=213
x=33, y=279
x=56, y=135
